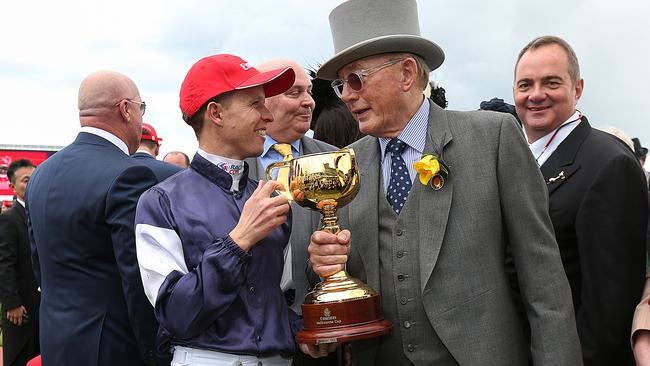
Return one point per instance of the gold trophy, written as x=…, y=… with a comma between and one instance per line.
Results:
x=340, y=308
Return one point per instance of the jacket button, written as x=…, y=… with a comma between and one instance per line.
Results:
x=403, y=300
x=400, y=277
x=407, y=324
x=400, y=254
x=410, y=347
x=399, y=232
x=252, y=289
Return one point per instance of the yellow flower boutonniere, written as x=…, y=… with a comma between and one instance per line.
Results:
x=431, y=169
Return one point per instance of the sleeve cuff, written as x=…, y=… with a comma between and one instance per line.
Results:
x=235, y=249
x=11, y=303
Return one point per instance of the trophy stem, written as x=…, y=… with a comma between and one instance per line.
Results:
x=329, y=220
x=331, y=225
x=340, y=274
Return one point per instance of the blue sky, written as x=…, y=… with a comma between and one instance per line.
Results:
x=47, y=48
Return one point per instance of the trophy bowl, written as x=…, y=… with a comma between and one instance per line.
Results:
x=340, y=308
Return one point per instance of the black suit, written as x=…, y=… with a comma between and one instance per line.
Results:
x=161, y=169
x=81, y=208
x=17, y=287
x=599, y=207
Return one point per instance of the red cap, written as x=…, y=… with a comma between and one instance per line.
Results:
x=149, y=133
x=214, y=75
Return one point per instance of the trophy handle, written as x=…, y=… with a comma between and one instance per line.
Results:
x=283, y=168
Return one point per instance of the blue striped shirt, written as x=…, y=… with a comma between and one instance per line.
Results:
x=415, y=136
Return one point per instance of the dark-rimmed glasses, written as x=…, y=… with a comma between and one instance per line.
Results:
x=355, y=79
x=143, y=105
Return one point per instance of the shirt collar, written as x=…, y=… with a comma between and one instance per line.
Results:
x=108, y=136
x=233, y=167
x=270, y=141
x=145, y=152
x=415, y=132
x=22, y=203
x=538, y=146
x=217, y=159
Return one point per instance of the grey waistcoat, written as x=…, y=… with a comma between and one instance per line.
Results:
x=412, y=340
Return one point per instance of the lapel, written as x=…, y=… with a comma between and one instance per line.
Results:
x=561, y=165
x=307, y=146
x=20, y=210
x=364, y=208
x=431, y=208
x=255, y=171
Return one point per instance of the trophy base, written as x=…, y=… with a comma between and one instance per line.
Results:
x=343, y=321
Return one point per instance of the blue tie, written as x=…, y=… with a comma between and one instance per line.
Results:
x=400, y=180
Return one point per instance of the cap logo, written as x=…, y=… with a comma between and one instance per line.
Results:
x=245, y=66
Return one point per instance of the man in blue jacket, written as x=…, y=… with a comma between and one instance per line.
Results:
x=81, y=207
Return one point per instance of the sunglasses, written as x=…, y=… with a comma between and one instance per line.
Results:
x=143, y=105
x=355, y=79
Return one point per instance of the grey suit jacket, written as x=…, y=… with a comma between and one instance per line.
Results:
x=304, y=222
x=494, y=195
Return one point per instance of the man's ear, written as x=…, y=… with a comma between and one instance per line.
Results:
x=579, y=87
x=409, y=74
x=12, y=186
x=214, y=112
x=124, y=110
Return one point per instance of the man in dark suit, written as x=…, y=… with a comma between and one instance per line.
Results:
x=433, y=246
x=148, y=151
x=292, y=113
x=597, y=199
x=81, y=208
x=18, y=290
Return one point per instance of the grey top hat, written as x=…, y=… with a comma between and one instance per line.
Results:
x=362, y=28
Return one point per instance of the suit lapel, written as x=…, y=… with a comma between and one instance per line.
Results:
x=561, y=165
x=21, y=213
x=307, y=146
x=255, y=171
x=431, y=210
x=364, y=207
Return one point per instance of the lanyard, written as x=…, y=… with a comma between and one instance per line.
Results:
x=555, y=134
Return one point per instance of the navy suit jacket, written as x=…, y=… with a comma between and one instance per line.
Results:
x=161, y=169
x=81, y=209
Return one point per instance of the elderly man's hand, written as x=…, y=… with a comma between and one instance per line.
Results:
x=328, y=253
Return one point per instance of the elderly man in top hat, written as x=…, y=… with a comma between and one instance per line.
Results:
x=443, y=195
